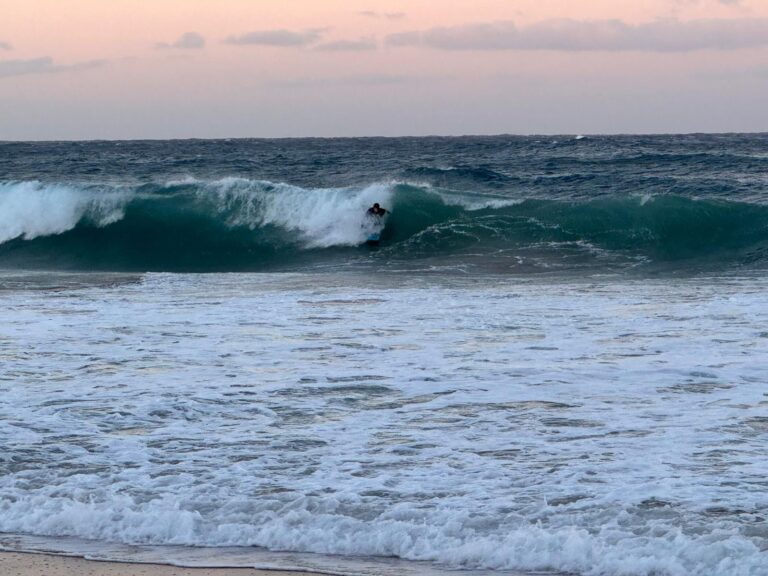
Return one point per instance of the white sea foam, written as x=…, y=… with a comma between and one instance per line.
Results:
x=602, y=429
x=478, y=203
x=32, y=209
x=646, y=198
x=320, y=217
x=321, y=525
x=183, y=181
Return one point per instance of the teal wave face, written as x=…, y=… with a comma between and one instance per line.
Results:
x=235, y=224
x=612, y=232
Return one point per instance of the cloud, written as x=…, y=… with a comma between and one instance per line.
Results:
x=386, y=15
x=22, y=67
x=668, y=35
x=362, y=45
x=277, y=38
x=5, y=46
x=187, y=41
x=44, y=65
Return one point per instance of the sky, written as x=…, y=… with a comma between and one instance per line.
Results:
x=127, y=69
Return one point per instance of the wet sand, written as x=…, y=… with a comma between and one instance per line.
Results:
x=23, y=564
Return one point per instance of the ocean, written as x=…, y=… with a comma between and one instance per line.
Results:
x=555, y=361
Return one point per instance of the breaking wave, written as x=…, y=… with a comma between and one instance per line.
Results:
x=241, y=224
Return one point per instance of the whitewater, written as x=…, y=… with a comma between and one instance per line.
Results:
x=555, y=360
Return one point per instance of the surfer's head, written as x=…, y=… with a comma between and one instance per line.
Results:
x=376, y=205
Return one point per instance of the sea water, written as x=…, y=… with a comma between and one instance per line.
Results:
x=555, y=360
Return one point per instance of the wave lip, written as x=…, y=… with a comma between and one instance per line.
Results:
x=32, y=209
x=320, y=218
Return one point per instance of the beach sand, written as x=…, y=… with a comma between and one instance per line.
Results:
x=23, y=564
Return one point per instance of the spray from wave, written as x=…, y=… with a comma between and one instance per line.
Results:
x=320, y=218
x=32, y=209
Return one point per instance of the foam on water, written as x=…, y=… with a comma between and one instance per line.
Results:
x=321, y=217
x=598, y=428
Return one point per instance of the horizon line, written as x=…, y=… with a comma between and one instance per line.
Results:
x=399, y=137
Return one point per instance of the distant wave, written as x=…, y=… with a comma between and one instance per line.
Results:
x=242, y=224
x=459, y=175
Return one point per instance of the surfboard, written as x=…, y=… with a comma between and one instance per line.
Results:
x=373, y=226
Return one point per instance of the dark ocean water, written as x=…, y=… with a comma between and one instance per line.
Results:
x=503, y=204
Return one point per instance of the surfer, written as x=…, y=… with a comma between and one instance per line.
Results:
x=375, y=224
x=376, y=210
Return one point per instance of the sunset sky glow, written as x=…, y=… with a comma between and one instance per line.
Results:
x=85, y=69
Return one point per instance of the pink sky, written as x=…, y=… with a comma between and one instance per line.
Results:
x=73, y=69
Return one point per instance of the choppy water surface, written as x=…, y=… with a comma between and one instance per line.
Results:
x=591, y=425
x=498, y=205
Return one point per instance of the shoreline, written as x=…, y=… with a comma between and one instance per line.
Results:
x=46, y=564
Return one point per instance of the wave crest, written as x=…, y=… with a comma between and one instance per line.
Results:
x=33, y=209
x=234, y=224
x=321, y=217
